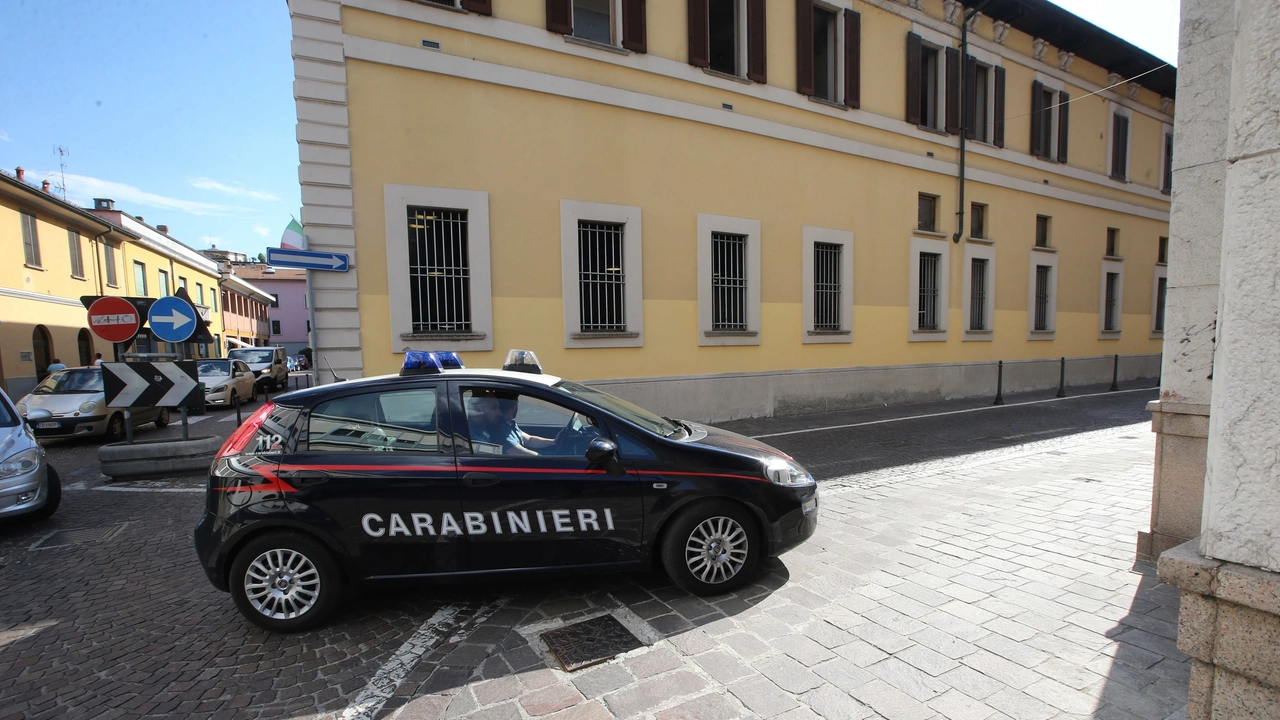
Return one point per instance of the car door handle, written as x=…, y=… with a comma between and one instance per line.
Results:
x=305, y=477
x=480, y=479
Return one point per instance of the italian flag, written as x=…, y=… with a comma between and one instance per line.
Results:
x=292, y=237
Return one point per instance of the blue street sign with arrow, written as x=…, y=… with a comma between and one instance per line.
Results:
x=172, y=320
x=306, y=260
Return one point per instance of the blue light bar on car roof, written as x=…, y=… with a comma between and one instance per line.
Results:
x=417, y=362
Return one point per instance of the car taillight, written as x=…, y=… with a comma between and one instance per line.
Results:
x=240, y=438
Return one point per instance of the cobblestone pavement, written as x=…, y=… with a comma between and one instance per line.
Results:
x=972, y=582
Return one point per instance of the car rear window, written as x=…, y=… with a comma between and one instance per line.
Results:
x=390, y=421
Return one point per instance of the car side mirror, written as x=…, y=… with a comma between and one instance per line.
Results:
x=603, y=451
x=35, y=415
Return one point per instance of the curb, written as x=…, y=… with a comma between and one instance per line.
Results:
x=165, y=458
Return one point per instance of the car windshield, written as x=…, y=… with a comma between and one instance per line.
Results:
x=623, y=409
x=71, y=381
x=251, y=356
x=215, y=368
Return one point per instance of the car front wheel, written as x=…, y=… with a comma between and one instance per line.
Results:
x=115, y=428
x=285, y=582
x=711, y=548
x=55, y=495
x=162, y=420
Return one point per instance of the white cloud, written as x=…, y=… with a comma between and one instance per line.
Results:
x=82, y=189
x=205, y=183
x=262, y=230
x=4, y=136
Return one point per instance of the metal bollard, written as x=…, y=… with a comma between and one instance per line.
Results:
x=999, y=383
x=1115, y=375
x=128, y=427
x=1062, y=378
x=238, y=420
x=185, y=435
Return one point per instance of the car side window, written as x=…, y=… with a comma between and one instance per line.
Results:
x=387, y=421
x=501, y=422
x=633, y=449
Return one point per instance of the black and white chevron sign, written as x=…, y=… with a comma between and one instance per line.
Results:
x=150, y=384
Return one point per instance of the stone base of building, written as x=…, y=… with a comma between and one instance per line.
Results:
x=1182, y=437
x=732, y=396
x=1229, y=623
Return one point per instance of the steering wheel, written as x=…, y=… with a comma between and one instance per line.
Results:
x=575, y=437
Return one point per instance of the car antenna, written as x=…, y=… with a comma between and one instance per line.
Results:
x=335, y=375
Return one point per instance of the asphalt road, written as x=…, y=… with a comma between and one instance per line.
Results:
x=105, y=612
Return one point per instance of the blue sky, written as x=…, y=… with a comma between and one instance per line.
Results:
x=183, y=112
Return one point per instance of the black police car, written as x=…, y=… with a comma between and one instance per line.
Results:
x=443, y=471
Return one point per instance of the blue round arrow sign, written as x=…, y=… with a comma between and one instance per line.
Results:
x=172, y=320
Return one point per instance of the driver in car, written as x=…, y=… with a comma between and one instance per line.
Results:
x=496, y=423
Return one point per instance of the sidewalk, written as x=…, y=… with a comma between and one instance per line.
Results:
x=998, y=584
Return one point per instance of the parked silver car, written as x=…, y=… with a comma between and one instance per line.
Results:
x=28, y=483
x=227, y=381
x=75, y=400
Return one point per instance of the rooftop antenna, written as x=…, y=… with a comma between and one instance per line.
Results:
x=62, y=164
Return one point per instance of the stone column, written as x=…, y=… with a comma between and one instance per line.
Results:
x=1229, y=619
x=1180, y=418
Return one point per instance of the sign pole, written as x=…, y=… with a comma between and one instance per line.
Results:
x=184, y=423
x=128, y=427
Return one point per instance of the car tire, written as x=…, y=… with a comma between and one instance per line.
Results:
x=233, y=399
x=162, y=420
x=312, y=585
x=253, y=393
x=55, y=496
x=711, y=548
x=115, y=428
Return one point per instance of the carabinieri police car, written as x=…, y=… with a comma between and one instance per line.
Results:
x=443, y=471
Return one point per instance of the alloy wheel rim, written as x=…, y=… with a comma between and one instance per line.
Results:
x=716, y=550
x=282, y=584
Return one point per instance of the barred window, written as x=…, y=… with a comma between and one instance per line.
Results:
x=77, y=256
x=30, y=240
x=439, y=271
x=978, y=295
x=1042, y=298
x=826, y=286
x=1110, y=321
x=1162, y=288
x=728, y=281
x=928, y=311
x=601, y=277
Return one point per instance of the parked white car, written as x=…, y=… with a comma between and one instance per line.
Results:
x=77, y=406
x=227, y=381
x=28, y=483
x=265, y=362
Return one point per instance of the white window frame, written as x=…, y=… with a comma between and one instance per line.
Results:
x=943, y=249
x=708, y=224
x=1110, y=265
x=982, y=250
x=615, y=25
x=1114, y=108
x=571, y=211
x=843, y=238
x=991, y=61
x=1161, y=271
x=1042, y=256
x=396, y=201
x=930, y=38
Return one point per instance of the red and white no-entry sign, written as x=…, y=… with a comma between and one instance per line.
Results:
x=114, y=319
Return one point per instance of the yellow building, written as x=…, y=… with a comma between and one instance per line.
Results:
x=53, y=252
x=723, y=208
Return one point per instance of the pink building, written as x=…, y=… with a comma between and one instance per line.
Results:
x=288, y=317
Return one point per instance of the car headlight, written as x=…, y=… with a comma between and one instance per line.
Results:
x=21, y=408
x=220, y=388
x=21, y=463
x=786, y=473
x=88, y=406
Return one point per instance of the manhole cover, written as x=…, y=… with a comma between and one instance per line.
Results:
x=589, y=642
x=62, y=538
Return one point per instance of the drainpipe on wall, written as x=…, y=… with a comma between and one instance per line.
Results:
x=964, y=107
x=97, y=261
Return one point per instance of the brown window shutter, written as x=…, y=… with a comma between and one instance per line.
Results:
x=560, y=16
x=1119, y=143
x=756, y=65
x=952, y=125
x=634, y=32
x=852, y=59
x=1037, y=116
x=997, y=120
x=699, y=43
x=804, y=47
x=1063, y=99
x=970, y=94
x=913, y=78
x=479, y=7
